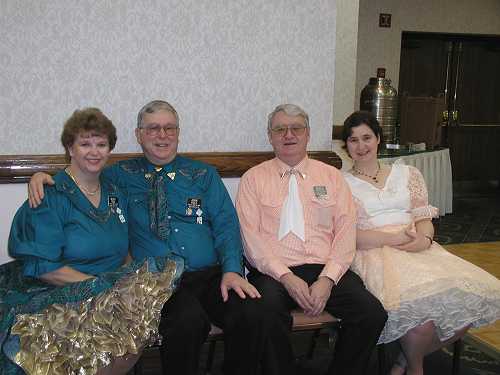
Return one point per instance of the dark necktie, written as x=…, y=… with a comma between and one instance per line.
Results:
x=158, y=206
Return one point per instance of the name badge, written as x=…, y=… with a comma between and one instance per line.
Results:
x=112, y=202
x=320, y=192
x=193, y=205
x=113, y=205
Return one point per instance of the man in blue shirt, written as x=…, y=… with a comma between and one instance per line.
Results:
x=178, y=205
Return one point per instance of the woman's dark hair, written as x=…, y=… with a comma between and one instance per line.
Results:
x=87, y=120
x=359, y=118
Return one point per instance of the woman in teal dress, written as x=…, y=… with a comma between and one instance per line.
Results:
x=73, y=302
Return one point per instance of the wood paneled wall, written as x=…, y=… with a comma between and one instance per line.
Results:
x=19, y=168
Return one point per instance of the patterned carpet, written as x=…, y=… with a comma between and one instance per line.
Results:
x=475, y=218
x=473, y=362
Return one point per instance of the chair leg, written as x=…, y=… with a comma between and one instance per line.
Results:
x=332, y=336
x=210, y=356
x=312, y=343
x=457, y=353
x=381, y=359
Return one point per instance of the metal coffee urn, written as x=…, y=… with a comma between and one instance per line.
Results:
x=380, y=98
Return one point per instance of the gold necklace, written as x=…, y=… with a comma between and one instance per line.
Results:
x=83, y=188
x=373, y=177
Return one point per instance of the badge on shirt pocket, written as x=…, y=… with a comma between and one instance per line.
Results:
x=320, y=192
x=112, y=202
x=193, y=206
x=113, y=205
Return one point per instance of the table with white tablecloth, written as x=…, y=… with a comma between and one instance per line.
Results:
x=436, y=169
x=435, y=166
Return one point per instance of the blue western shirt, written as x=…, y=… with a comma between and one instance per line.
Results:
x=203, y=225
x=67, y=230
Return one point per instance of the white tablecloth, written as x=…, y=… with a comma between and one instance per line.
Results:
x=435, y=167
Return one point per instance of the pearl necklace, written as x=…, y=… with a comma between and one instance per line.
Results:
x=83, y=188
x=373, y=177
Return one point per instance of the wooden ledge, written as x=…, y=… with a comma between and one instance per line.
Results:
x=19, y=168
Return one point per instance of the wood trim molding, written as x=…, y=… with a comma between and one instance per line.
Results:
x=19, y=168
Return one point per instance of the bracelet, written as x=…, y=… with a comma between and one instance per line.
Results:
x=430, y=239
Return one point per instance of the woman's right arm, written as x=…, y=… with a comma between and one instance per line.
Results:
x=370, y=239
x=38, y=240
x=35, y=188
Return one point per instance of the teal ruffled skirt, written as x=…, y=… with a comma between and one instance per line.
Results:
x=80, y=327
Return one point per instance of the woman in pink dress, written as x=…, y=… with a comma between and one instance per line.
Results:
x=432, y=297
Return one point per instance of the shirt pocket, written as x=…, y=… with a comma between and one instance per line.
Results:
x=271, y=213
x=138, y=200
x=188, y=206
x=138, y=210
x=322, y=211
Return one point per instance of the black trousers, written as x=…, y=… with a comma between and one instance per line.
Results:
x=363, y=318
x=185, y=324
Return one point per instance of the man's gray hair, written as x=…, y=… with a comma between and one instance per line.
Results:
x=290, y=110
x=156, y=106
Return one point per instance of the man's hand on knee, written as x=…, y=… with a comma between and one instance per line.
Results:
x=320, y=292
x=298, y=290
x=232, y=280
